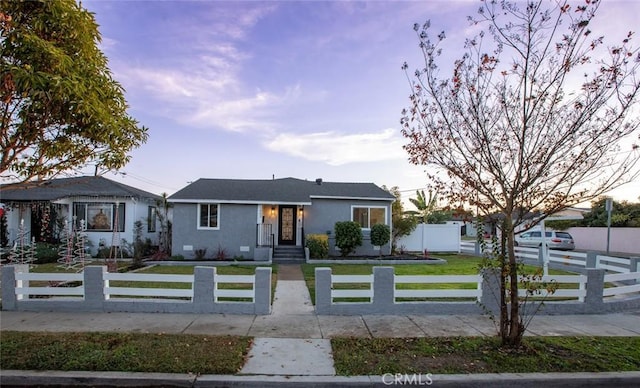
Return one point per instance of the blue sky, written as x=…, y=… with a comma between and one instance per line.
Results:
x=305, y=89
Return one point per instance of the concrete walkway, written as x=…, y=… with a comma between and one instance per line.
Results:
x=309, y=326
x=290, y=356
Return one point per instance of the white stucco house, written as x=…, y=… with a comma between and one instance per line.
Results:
x=109, y=209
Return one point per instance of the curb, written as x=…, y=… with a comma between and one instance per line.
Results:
x=16, y=378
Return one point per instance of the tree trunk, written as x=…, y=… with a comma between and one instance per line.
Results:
x=515, y=330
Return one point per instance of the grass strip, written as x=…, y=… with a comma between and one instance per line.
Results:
x=461, y=355
x=125, y=352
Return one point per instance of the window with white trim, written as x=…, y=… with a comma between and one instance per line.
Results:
x=208, y=216
x=99, y=216
x=369, y=215
x=151, y=219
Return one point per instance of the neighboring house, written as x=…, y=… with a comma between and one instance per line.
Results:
x=250, y=218
x=109, y=209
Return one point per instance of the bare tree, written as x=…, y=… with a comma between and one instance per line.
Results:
x=538, y=114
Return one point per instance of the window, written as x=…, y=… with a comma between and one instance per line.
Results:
x=208, y=216
x=368, y=216
x=99, y=216
x=151, y=219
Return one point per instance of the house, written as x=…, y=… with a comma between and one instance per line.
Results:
x=257, y=218
x=105, y=208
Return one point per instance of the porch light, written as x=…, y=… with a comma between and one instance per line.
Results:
x=301, y=212
x=273, y=211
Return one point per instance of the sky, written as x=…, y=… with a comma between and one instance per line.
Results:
x=304, y=89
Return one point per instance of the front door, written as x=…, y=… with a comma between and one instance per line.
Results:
x=287, y=225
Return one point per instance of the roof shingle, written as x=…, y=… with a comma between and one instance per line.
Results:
x=289, y=190
x=85, y=186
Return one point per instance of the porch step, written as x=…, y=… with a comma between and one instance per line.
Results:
x=288, y=254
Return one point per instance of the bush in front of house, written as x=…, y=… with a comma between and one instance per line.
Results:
x=46, y=253
x=348, y=237
x=380, y=235
x=318, y=245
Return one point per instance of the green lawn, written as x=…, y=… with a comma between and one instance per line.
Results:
x=123, y=352
x=367, y=356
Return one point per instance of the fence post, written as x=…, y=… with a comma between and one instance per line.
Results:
x=9, y=299
x=595, y=290
x=491, y=290
x=203, y=285
x=323, y=291
x=592, y=260
x=94, y=287
x=262, y=290
x=634, y=265
x=476, y=249
x=383, y=289
x=24, y=268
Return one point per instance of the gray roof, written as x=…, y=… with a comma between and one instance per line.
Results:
x=85, y=186
x=285, y=190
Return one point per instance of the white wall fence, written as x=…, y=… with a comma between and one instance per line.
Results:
x=564, y=260
x=432, y=237
x=95, y=289
x=595, y=239
x=384, y=292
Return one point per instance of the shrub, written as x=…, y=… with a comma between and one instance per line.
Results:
x=380, y=235
x=46, y=253
x=348, y=237
x=199, y=253
x=318, y=245
x=221, y=253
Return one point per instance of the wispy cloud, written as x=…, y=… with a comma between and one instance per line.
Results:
x=198, y=80
x=338, y=149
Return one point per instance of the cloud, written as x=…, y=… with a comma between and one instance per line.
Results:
x=337, y=149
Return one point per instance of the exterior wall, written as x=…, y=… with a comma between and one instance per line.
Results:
x=134, y=211
x=432, y=237
x=623, y=240
x=236, y=233
x=267, y=216
x=322, y=215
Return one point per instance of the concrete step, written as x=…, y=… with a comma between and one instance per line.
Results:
x=286, y=252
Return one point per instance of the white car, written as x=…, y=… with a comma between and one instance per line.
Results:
x=554, y=240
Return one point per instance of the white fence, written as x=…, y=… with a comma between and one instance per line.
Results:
x=437, y=293
x=24, y=291
x=157, y=292
x=432, y=237
x=383, y=292
x=570, y=287
x=95, y=289
x=564, y=259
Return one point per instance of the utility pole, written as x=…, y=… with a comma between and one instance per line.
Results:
x=608, y=207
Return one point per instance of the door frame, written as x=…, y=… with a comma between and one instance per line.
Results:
x=281, y=209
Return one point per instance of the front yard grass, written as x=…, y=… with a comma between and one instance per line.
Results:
x=449, y=355
x=208, y=354
x=124, y=352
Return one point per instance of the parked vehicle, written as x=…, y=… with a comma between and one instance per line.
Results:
x=555, y=240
